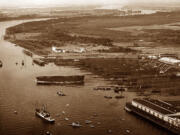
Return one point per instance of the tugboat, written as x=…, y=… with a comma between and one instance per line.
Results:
x=60, y=93
x=43, y=114
x=47, y=133
x=108, y=97
x=75, y=125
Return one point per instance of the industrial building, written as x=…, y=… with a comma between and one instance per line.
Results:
x=157, y=111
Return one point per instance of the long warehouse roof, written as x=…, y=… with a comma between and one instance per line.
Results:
x=169, y=60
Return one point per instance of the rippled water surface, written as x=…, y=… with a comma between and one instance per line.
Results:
x=19, y=92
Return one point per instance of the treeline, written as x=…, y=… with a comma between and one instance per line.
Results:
x=165, y=36
x=21, y=17
x=65, y=37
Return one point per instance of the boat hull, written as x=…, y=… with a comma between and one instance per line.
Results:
x=60, y=80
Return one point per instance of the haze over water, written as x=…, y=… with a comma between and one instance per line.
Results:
x=19, y=92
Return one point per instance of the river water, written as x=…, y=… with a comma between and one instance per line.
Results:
x=19, y=92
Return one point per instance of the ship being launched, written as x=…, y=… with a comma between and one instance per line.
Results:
x=60, y=80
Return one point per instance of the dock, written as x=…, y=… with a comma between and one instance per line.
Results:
x=159, y=112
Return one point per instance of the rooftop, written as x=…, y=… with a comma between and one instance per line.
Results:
x=169, y=60
x=158, y=105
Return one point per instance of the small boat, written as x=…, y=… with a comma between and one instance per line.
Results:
x=60, y=93
x=88, y=121
x=66, y=119
x=48, y=133
x=155, y=91
x=104, y=88
x=127, y=109
x=43, y=114
x=28, y=53
x=75, y=124
x=109, y=131
x=92, y=126
x=1, y=64
x=108, y=97
x=119, y=97
x=22, y=62
x=39, y=62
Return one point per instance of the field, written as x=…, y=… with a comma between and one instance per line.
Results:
x=96, y=30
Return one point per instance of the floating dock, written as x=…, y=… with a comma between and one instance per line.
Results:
x=158, y=112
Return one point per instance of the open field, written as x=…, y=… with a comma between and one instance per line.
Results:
x=94, y=30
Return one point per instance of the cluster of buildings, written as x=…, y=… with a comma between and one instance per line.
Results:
x=163, y=61
x=73, y=50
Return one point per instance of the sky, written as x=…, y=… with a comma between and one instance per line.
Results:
x=71, y=2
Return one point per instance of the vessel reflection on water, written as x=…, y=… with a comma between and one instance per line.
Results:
x=159, y=112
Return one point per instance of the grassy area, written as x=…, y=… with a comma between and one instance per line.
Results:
x=93, y=29
x=21, y=17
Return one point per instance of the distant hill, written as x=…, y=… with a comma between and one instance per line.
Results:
x=154, y=5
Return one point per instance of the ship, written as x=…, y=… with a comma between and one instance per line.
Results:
x=43, y=114
x=159, y=112
x=60, y=80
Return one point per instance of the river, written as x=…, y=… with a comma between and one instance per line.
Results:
x=19, y=92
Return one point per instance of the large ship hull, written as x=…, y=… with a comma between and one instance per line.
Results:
x=60, y=80
x=130, y=108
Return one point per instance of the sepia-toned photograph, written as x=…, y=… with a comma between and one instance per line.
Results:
x=89, y=67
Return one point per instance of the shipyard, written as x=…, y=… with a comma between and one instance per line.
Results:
x=94, y=68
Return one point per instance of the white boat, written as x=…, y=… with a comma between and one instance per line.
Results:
x=75, y=124
x=60, y=93
x=127, y=109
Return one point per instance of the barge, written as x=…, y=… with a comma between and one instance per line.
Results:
x=159, y=112
x=60, y=80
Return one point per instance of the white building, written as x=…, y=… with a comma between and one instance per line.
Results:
x=58, y=50
x=169, y=60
